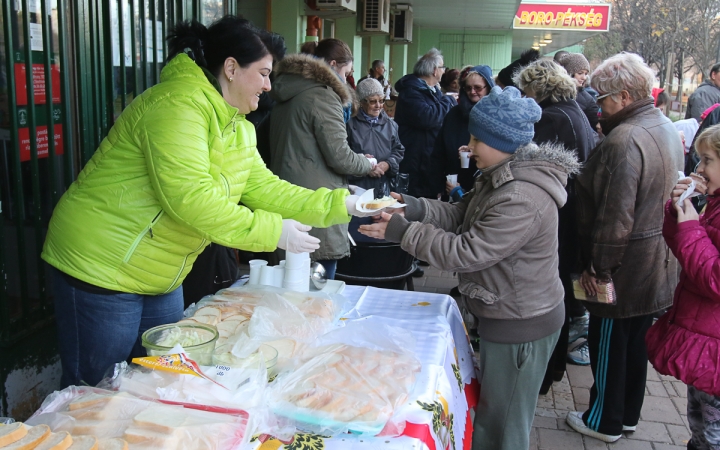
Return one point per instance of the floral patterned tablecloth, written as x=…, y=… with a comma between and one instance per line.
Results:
x=438, y=415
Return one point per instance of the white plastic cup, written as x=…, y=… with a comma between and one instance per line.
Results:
x=282, y=263
x=300, y=286
x=296, y=260
x=296, y=275
x=452, y=179
x=267, y=275
x=255, y=266
x=279, y=276
x=464, y=160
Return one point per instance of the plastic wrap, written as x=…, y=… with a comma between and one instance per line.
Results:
x=143, y=424
x=232, y=390
x=338, y=386
x=249, y=316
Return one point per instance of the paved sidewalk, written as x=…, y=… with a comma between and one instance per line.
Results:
x=663, y=421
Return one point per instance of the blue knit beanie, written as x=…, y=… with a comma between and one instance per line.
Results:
x=504, y=120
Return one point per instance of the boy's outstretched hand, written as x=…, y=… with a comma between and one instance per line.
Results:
x=376, y=230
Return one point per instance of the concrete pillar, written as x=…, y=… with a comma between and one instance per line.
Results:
x=345, y=30
x=287, y=18
x=398, y=62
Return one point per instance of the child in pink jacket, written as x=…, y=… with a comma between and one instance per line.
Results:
x=685, y=342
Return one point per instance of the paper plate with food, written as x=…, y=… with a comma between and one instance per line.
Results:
x=368, y=203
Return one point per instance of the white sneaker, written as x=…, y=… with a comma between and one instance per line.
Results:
x=629, y=428
x=574, y=419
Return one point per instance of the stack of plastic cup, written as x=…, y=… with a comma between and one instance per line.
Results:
x=297, y=272
x=279, y=276
x=267, y=275
x=255, y=267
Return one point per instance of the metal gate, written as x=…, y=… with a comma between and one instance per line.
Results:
x=97, y=55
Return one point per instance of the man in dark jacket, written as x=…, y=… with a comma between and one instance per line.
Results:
x=706, y=95
x=420, y=110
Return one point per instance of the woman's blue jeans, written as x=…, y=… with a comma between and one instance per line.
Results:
x=97, y=330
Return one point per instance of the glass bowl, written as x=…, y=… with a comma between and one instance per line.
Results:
x=161, y=339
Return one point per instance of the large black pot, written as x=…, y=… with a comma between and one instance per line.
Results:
x=382, y=265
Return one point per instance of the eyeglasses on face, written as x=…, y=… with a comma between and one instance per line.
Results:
x=476, y=88
x=374, y=102
x=600, y=97
x=442, y=67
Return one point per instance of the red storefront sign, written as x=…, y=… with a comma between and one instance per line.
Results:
x=38, y=77
x=544, y=16
x=43, y=146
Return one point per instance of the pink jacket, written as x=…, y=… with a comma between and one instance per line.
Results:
x=685, y=342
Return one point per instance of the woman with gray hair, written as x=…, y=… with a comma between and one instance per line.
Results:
x=562, y=122
x=372, y=133
x=621, y=196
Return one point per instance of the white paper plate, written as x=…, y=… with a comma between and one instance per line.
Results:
x=368, y=196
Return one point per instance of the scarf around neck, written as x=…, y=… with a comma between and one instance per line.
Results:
x=634, y=108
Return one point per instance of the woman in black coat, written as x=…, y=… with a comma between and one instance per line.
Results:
x=564, y=123
x=578, y=67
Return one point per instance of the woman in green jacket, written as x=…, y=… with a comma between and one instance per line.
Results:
x=163, y=184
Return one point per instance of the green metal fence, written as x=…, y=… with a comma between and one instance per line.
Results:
x=97, y=55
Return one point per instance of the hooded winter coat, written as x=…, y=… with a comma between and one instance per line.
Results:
x=621, y=192
x=419, y=113
x=379, y=139
x=706, y=95
x=589, y=106
x=308, y=139
x=502, y=240
x=166, y=182
x=685, y=342
x=454, y=134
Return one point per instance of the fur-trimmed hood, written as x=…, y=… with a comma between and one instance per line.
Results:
x=547, y=166
x=297, y=73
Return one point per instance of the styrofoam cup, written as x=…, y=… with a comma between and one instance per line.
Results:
x=282, y=263
x=267, y=275
x=279, y=276
x=255, y=266
x=464, y=160
x=301, y=286
x=452, y=179
x=296, y=260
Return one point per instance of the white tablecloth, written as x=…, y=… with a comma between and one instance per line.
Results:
x=438, y=414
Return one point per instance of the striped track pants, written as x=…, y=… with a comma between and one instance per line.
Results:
x=618, y=359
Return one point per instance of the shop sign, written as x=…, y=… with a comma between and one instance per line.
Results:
x=546, y=16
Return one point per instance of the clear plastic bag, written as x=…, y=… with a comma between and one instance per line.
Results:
x=353, y=380
x=232, y=390
x=142, y=423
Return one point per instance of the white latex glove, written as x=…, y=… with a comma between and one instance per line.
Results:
x=294, y=238
x=351, y=201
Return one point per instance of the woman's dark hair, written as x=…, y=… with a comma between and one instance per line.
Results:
x=334, y=50
x=662, y=99
x=309, y=47
x=448, y=77
x=228, y=37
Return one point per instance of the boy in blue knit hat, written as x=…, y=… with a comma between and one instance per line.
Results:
x=501, y=239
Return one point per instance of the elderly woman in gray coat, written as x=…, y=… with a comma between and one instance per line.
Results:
x=371, y=132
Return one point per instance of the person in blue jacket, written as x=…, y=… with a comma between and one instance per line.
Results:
x=420, y=110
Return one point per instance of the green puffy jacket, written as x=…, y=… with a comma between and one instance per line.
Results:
x=166, y=182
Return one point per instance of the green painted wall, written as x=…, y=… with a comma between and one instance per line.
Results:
x=463, y=47
x=288, y=20
x=413, y=51
x=346, y=30
x=398, y=62
x=379, y=49
x=255, y=11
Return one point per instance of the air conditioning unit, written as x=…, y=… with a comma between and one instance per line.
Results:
x=401, y=23
x=330, y=9
x=376, y=17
